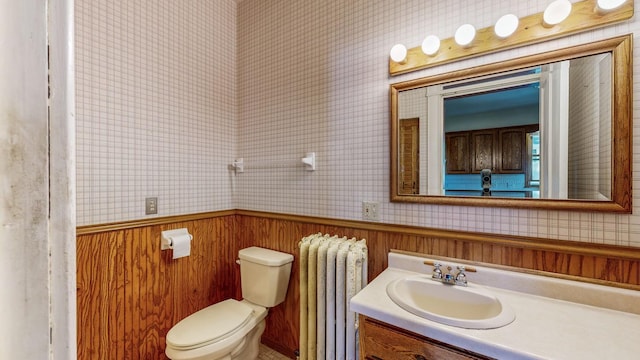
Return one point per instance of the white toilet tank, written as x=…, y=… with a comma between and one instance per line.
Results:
x=264, y=275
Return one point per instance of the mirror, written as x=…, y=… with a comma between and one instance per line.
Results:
x=551, y=130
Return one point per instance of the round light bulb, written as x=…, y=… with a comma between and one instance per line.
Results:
x=557, y=12
x=465, y=35
x=430, y=45
x=398, y=53
x=607, y=5
x=506, y=25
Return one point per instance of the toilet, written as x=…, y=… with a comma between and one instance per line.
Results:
x=232, y=329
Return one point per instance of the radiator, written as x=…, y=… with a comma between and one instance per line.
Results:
x=332, y=271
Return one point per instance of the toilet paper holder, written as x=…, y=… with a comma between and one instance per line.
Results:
x=166, y=240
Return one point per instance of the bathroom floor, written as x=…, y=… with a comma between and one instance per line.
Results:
x=267, y=353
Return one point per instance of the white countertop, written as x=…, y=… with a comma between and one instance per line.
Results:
x=555, y=318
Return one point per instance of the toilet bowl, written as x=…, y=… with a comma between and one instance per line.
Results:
x=231, y=329
x=221, y=331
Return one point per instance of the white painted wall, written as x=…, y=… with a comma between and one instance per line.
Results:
x=37, y=220
x=62, y=160
x=24, y=190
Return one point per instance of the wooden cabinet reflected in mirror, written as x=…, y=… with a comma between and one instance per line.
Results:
x=547, y=128
x=500, y=150
x=458, y=152
x=409, y=156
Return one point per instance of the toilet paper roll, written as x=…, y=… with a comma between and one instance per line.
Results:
x=181, y=245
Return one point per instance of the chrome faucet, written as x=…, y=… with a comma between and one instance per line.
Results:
x=460, y=278
x=448, y=277
x=437, y=273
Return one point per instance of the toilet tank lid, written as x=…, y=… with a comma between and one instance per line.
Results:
x=264, y=256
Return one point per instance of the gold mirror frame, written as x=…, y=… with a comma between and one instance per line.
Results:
x=621, y=112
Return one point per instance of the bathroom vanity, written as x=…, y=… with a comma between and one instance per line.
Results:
x=554, y=318
x=379, y=340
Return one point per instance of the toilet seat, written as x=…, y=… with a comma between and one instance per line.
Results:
x=209, y=325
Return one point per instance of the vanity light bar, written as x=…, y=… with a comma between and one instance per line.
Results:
x=556, y=12
x=464, y=35
x=506, y=26
x=584, y=15
x=398, y=53
x=608, y=5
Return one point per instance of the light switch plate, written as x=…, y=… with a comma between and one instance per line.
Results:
x=151, y=205
x=370, y=210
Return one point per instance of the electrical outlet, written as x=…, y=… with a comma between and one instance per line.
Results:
x=370, y=210
x=151, y=205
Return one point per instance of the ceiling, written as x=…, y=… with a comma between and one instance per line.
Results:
x=519, y=96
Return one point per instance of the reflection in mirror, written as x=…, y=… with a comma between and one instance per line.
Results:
x=540, y=128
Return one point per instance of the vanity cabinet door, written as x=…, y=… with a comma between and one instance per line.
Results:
x=380, y=341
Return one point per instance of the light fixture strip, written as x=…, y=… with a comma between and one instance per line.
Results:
x=530, y=31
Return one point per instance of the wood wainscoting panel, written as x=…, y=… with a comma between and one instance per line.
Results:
x=283, y=232
x=98, y=292
x=282, y=330
x=130, y=293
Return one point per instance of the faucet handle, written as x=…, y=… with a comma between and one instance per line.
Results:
x=437, y=273
x=461, y=277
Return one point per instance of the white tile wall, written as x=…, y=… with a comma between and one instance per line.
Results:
x=158, y=93
x=313, y=76
x=156, y=106
x=589, y=121
x=414, y=105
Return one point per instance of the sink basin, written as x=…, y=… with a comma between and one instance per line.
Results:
x=471, y=307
